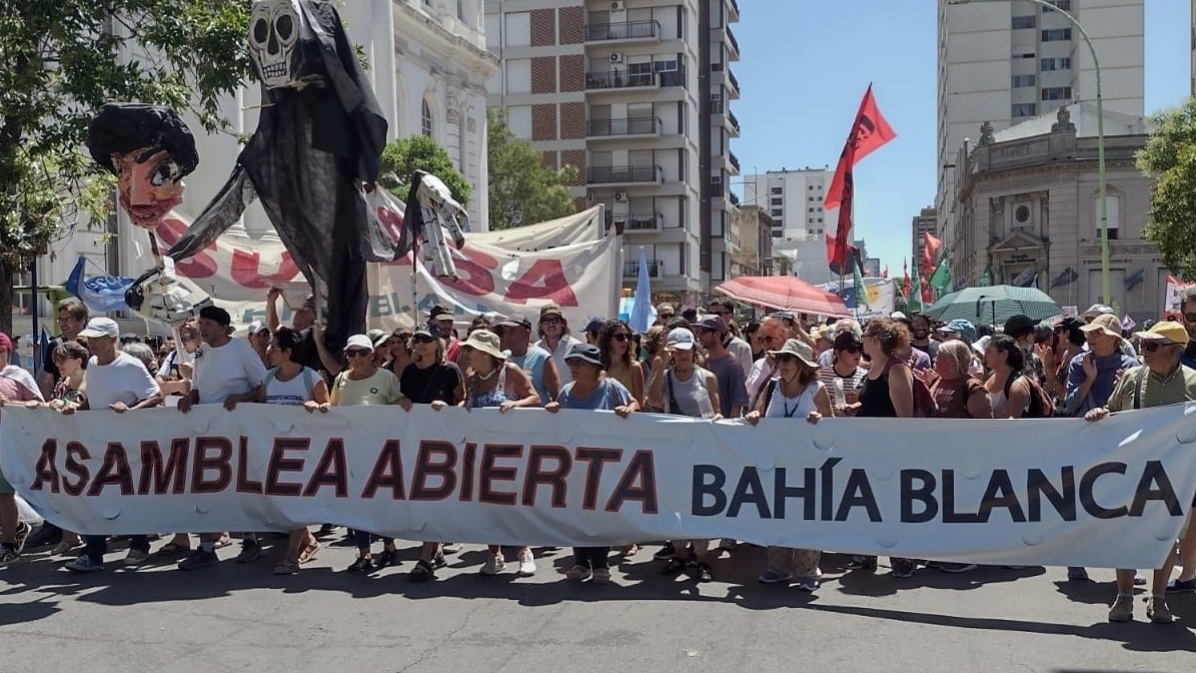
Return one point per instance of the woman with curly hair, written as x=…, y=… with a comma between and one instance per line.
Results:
x=619, y=359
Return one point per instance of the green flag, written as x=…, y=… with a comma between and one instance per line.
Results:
x=986, y=280
x=941, y=280
x=857, y=279
x=913, y=303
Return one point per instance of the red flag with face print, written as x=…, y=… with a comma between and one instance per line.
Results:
x=869, y=132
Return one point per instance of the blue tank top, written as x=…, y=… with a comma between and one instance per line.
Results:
x=532, y=362
x=490, y=399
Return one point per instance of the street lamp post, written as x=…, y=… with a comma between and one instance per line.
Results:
x=1106, y=293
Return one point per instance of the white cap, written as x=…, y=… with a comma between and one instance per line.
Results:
x=101, y=327
x=257, y=326
x=359, y=341
x=897, y=315
x=681, y=339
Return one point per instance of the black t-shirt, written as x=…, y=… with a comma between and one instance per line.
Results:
x=48, y=365
x=306, y=352
x=436, y=383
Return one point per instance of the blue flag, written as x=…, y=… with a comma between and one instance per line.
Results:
x=101, y=294
x=643, y=313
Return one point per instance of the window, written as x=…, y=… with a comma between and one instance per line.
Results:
x=776, y=202
x=820, y=231
x=1024, y=110
x=778, y=224
x=1056, y=93
x=776, y=190
x=811, y=210
x=1029, y=54
x=1020, y=22
x=820, y=220
x=1065, y=5
x=810, y=199
x=1023, y=80
x=1056, y=34
x=461, y=9
x=1063, y=63
x=426, y=118
x=776, y=212
x=1113, y=202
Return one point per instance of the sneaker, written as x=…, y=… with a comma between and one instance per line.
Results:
x=809, y=584
x=250, y=552
x=327, y=529
x=727, y=544
x=451, y=547
x=1075, y=574
x=580, y=573
x=1123, y=609
x=771, y=576
x=22, y=536
x=361, y=564
x=46, y=535
x=200, y=558
x=422, y=572
x=494, y=564
x=666, y=552
x=1181, y=586
x=956, y=567
x=8, y=554
x=438, y=561
x=704, y=574
x=136, y=557
x=63, y=548
x=601, y=576
x=84, y=564
x=527, y=563
x=387, y=559
x=862, y=563
x=1157, y=610
x=902, y=568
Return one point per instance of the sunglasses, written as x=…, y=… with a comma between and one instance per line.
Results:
x=357, y=352
x=1152, y=346
x=621, y=337
x=550, y=321
x=423, y=339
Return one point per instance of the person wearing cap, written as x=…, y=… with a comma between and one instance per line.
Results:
x=591, y=389
x=594, y=329
x=683, y=388
x=1091, y=374
x=840, y=326
x=536, y=362
x=844, y=376
x=556, y=338
x=495, y=382
x=227, y=372
x=1096, y=310
x=796, y=393
x=258, y=338
x=1160, y=381
x=443, y=319
x=732, y=390
x=959, y=328
x=16, y=386
x=735, y=345
x=120, y=382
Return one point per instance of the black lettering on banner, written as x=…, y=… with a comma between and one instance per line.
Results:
x=46, y=470
x=1064, y=502
x=387, y=472
x=279, y=463
x=468, y=460
x=332, y=470
x=555, y=478
x=641, y=470
x=1000, y=493
x=1155, y=473
x=749, y=490
x=596, y=459
x=948, y=501
x=708, y=480
x=427, y=465
x=858, y=493
x=219, y=463
x=491, y=473
x=917, y=486
x=827, y=470
x=76, y=453
x=114, y=470
x=782, y=491
x=1088, y=500
x=158, y=478
x=244, y=483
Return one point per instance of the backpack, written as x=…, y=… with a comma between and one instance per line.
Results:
x=1040, y=405
x=924, y=404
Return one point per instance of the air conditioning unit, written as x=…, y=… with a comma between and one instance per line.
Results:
x=616, y=58
x=616, y=6
x=620, y=196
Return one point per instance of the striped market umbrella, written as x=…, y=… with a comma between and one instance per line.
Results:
x=994, y=305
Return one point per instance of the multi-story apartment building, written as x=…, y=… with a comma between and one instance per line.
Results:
x=794, y=199
x=635, y=94
x=925, y=222
x=1005, y=62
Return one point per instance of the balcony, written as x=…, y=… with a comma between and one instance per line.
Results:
x=734, y=15
x=624, y=31
x=733, y=52
x=734, y=198
x=733, y=81
x=734, y=160
x=635, y=222
x=733, y=124
x=621, y=79
x=631, y=269
x=630, y=126
x=624, y=175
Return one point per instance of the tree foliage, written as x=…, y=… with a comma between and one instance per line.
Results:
x=402, y=157
x=60, y=60
x=1170, y=157
x=522, y=189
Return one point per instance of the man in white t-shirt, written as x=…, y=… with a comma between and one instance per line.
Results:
x=227, y=371
x=120, y=382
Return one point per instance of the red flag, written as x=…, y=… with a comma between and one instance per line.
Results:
x=927, y=293
x=868, y=133
x=885, y=273
x=930, y=254
x=905, y=280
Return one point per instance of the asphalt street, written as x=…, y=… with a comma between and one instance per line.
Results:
x=241, y=617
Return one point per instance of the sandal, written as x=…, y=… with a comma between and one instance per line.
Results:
x=173, y=549
x=309, y=552
x=287, y=567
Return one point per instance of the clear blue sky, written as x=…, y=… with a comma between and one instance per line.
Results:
x=806, y=64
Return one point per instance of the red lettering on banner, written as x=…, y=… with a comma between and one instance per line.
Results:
x=474, y=271
x=279, y=463
x=544, y=280
x=200, y=265
x=154, y=472
x=76, y=452
x=597, y=458
x=114, y=470
x=45, y=469
x=554, y=478
x=642, y=469
x=388, y=471
x=467, y=463
x=392, y=222
x=426, y=466
x=219, y=462
x=330, y=471
x=244, y=484
x=491, y=473
x=246, y=270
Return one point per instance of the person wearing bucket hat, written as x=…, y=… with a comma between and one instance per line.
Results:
x=1092, y=373
x=494, y=382
x=591, y=389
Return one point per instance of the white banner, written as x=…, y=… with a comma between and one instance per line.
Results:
x=1048, y=492
x=1171, y=303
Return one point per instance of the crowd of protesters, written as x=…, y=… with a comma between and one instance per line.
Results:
x=699, y=363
